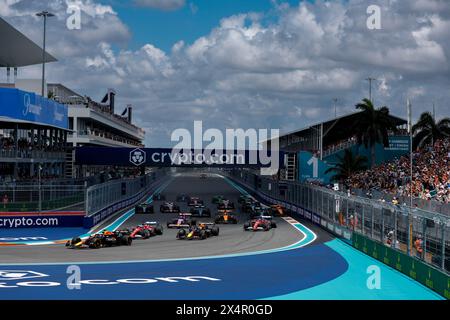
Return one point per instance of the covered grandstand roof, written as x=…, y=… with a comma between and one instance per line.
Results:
x=334, y=130
x=18, y=50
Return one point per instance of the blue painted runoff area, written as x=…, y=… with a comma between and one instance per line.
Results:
x=352, y=284
x=324, y=271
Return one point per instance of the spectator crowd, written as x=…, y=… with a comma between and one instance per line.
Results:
x=431, y=174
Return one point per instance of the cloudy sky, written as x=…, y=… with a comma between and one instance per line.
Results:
x=244, y=64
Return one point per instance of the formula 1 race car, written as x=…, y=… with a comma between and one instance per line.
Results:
x=244, y=198
x=169, y=207
x=278, y=210
x=261, y=212
x=183, y=198
x=201, y=231
x=159, y=197
x=251, y=206
x=100, y=240
x=217, y=199
x=184, y=220
x=145, y=230
x=261, y=223
x=200, y=211
x=144, y=208
x=194, y=201
x=226, y=217
x=225, y=205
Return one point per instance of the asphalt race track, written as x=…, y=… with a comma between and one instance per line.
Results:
x=294, y=261
x=232, y=238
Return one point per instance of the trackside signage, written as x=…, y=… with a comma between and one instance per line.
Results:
x=10, y=279
x=165, y=157
x=22, y=105
x=40, y=221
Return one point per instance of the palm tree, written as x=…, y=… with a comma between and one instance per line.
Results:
x=427, y=130
x=347, y=166
x=372, y=127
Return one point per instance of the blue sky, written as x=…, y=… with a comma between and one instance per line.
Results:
x=282, y=70
x=164, y=28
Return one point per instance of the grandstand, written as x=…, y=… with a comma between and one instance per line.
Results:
x=326, y=140
x=33, y=129
x=95, y=124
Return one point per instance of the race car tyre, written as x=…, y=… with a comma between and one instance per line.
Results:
x=138, y=210
x=181, y=234
x=246, y=226
x=75, y=241
x=215, y=231
x=193, y=222
x=159, y=230
x=146, y=234
x=203, y=235
x=273, y=225
x=127, y=241
x=96, y=244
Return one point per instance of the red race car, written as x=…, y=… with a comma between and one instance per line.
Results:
x=145, y=230
x=263, y=223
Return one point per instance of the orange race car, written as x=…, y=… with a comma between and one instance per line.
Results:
x=226, y=217
x=278, y=210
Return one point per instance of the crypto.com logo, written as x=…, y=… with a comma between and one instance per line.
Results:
x=138, y=157
x=8, y=275
x=242, y=147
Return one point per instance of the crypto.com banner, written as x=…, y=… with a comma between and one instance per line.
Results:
x=165, y=157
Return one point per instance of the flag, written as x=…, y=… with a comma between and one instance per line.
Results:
x=408, y=108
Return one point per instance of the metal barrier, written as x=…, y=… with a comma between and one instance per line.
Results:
x=424, y=204
x=416, y=232
x=101, y=196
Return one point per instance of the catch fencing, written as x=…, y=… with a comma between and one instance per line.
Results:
x=418, y=233
x=37, y=198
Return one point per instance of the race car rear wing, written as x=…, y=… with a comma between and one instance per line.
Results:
x=225, y=210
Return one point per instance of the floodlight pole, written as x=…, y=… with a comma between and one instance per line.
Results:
x=44, y=14
x=370, y=87
x=409, y=109
x=335, y=107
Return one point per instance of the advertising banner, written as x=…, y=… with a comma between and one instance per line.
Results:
x=414, y=268
x=28, y=106
x=167, y=157
x=41, y=221
x=312, y=168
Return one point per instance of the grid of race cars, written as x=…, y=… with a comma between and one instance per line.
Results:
x=188, y=225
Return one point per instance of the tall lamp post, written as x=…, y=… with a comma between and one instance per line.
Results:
x=335, y=100
x=45, y=15
x=40, y=188
x=370, y=79
x=410, y=231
